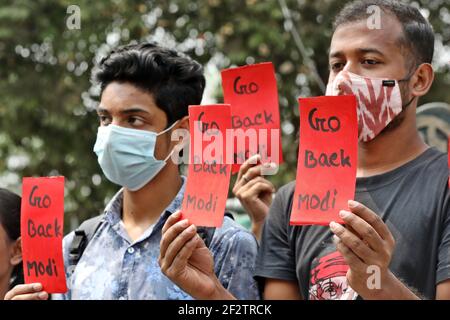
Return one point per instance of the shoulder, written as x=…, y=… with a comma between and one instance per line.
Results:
x=436, y=160
x=433, y=162
x=286, y=191
x=232, y=234
x=89, y=226
x=280, y=208
x=434, y=171
x=67, y=240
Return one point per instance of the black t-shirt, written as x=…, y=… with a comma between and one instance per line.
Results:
x=414, y=202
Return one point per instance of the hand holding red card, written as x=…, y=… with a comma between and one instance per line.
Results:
x=208, y=173
x=253, y=95
x=327, y=159
x=42, y=221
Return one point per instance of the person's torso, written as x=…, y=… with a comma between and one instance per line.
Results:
x=112, y=268
x=410, y=201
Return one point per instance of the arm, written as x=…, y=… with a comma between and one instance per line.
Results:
x=443, y=267
x=276, y=263
x=443, y=290
x=254, y=191
x=275, y=289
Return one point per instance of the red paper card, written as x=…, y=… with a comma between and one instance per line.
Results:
x=252, y=93
x=209, y=174
x=327, y=159
x=42, y=221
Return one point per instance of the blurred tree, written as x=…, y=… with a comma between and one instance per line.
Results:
x=47, y=126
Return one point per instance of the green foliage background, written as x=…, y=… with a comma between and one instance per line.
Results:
x=47, y=126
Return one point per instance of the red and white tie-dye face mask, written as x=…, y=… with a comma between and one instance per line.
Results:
x=379, y=101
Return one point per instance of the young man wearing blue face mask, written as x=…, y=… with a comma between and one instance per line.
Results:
x=146, y=91
x=396, y=241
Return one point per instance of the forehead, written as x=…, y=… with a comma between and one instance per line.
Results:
x=356, y=35
x=125, y=94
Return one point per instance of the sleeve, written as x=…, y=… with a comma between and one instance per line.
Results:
x=443, y=264
x=234, y=260
x=66, y=244
x=276, y=258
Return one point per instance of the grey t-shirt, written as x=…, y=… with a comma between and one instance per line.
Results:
x=414, y=202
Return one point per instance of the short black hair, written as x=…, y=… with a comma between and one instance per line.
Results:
x=10, y=204
x=418, y=35
x=10, y=213
x=175, y=80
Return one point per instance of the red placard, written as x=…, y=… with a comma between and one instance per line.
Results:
x=327, y=159
x=42, y=221
x=209, y=173
x=252, y=93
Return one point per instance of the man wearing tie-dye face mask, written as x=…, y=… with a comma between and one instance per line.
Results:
x=396, y=240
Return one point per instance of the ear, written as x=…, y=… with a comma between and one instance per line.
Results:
x=422, y=80
x=184, y=123
x=16, y=253
x=180, y=140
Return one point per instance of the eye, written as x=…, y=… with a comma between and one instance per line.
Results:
x=135, y=121
x=370, y=62
x=336, y=66
x=104, y=120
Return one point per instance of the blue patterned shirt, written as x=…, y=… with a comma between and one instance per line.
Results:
x=115, y=268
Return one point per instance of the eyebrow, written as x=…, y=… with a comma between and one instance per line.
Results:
x=359, y=50
x=127, y=111
x=134, y=110
x=371, y=50
x=102, y=110
x=336, y=54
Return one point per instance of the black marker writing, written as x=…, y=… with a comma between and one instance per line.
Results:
x=332, y=124
x=313, y=201
x=327, y=160
x=201, y=204
x=39, y=201
x=250, y=88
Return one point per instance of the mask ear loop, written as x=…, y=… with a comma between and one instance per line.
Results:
x=407, y=105
x=407, y=79
x=163, y=132
x=168, y=129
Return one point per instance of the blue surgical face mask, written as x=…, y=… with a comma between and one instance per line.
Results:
x=127, y=156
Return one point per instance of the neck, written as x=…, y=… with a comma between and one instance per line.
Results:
x=4, y=287
x=391, y=149
x=144, y=206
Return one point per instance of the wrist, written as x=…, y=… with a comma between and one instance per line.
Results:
x=257, y=230
x=220, y=293
x=391, y=288
x=384, y=290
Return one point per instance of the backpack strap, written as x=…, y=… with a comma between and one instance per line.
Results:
x=83, y=234
x=207, y=233
x=229, y=215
